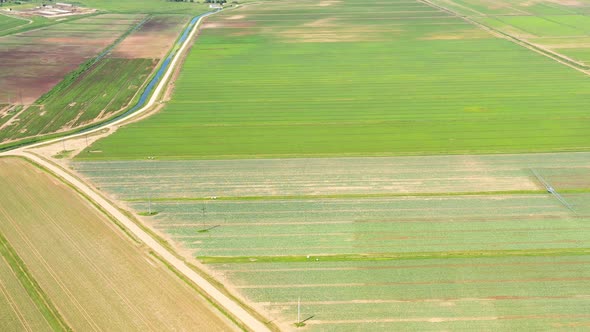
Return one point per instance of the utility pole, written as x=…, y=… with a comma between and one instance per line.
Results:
x=149, y=204
x=299, y=310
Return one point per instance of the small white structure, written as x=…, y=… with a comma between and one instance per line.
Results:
x=215, y=6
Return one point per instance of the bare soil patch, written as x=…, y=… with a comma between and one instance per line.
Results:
x=32, y=63
x=153, y=39
x=327, y=3
x=236, y=17
x=570, y=3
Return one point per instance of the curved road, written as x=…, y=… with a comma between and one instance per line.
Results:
x=227, y=303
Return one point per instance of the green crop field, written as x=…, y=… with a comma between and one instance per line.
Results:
x=94, y=274
x=402, y=242
x=402, y=78
x=558, y=26
x=8, y=23
x=149, y=6
x=371, y=161
x=464, y=294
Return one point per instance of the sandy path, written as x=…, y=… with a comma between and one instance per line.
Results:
x=228, y=304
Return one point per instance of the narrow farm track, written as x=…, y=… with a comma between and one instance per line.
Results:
x=217, y=296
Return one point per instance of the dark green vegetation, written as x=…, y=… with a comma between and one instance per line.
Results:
x=402, y=78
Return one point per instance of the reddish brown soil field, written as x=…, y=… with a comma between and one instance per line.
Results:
x=153, y=39
x=31, y=63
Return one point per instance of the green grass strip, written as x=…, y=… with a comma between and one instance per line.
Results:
x=41, y=300
x=396, y=256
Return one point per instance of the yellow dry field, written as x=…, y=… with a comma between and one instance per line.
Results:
x=18, y=312
x=96, y=276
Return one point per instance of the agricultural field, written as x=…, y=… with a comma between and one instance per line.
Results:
x=149, y=6
x=562, y=27
x=8, y=23
x=371, y=163
x=35, y=61
x=106, y=87
x=91, y=271
x=23, y=305
x=473, y=241
x=330, y=79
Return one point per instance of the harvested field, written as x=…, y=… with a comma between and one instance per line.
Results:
x=297, y=81
x=473, y=241
x=93, y=273
x=154, y=39
x=23, y=306
x=31, y=63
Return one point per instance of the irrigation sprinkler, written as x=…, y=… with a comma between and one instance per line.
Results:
x=552, y=191
x=299, y=310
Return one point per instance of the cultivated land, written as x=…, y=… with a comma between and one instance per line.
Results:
x=460, y=242
x=412, y=243
x=8, y=23
x=106, y=86
x=91, y=271
x=34, y=61
x=338, y=78
x=562, y=27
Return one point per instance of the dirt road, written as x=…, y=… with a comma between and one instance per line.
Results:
x=231, y=306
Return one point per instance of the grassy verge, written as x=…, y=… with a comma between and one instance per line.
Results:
x=397, y=256
x=38, y=296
